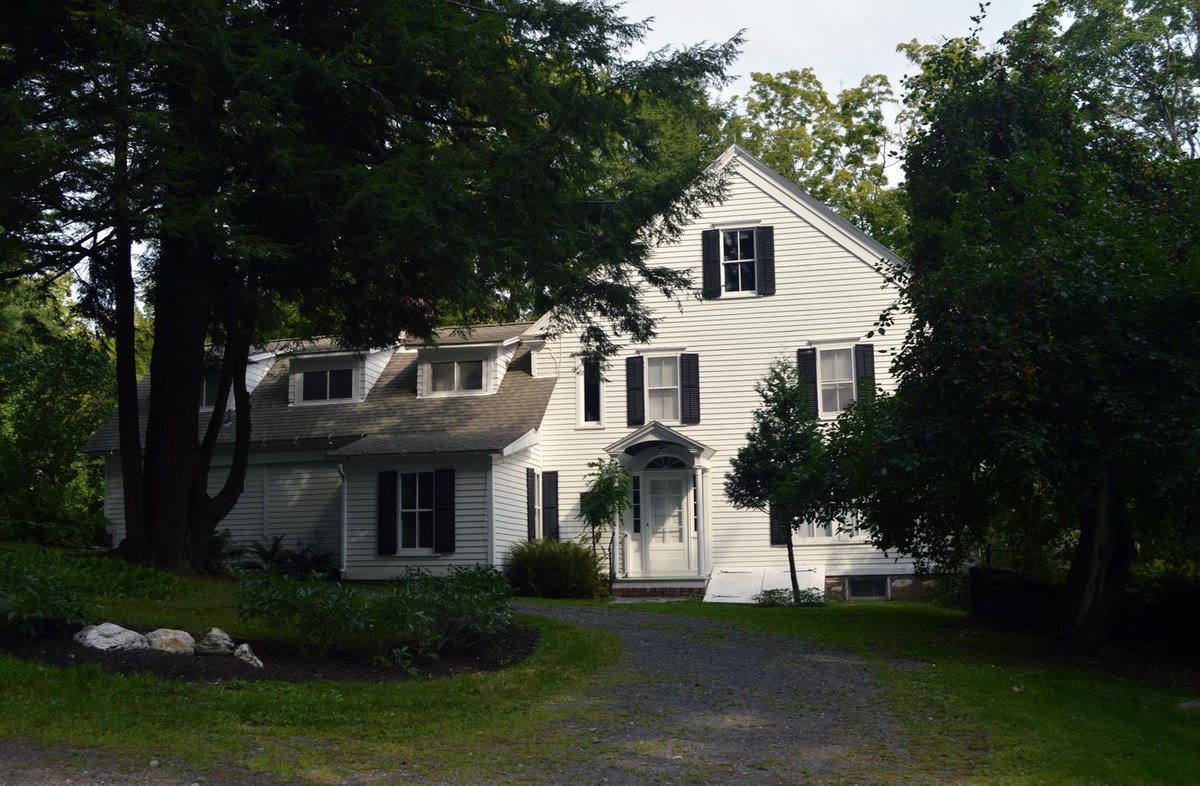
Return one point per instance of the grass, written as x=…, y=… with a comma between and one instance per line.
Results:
x=986, y=707
x=976, y=706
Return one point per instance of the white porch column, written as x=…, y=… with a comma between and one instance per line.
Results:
x=701, y=521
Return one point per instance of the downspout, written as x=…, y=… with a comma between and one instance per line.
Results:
x=342, y=472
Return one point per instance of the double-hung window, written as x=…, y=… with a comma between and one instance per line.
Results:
x=837, y=380
x=448, y=376
x=662, y=388
x=738, y=259
x=416, y=510
x=327, y=385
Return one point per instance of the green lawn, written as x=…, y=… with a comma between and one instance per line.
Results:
x=978, y=706
x=986, y=707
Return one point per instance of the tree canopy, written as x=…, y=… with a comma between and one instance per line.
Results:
x=357, y=170
x=834, y=147
x=1050, y=382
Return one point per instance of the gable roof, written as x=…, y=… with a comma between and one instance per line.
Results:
x=392, y=420
x=834, y=224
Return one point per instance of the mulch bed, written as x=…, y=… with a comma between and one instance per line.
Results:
x=279, y=661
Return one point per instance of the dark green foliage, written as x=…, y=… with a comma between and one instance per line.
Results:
x=55, y=389
x=273, y=556
x=1049, y=381
x=419, y=614
x=783, y=597
x=555, y=569
x=34, y=601
x=467, y=609
x=92, y=576
x=357, y=170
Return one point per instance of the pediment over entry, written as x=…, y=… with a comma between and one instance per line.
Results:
x=655, y=435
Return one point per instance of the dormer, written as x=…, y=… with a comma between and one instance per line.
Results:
x=466, y=363
x=257, y=366
x=332, y=375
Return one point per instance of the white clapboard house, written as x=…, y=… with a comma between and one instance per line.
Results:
x=448, y=454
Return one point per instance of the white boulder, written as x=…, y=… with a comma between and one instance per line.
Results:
x=108, y=636
x=244, y=653
x=215, y=642
x=179, y=642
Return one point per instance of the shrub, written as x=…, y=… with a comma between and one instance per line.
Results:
x=300, y=562
x=34, y=599
x=92, y=575
x=466, y=609
x=313, y=616
x=419, y=614
x=555, y=569
x=783, y=597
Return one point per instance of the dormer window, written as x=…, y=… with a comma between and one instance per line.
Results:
x=208, y=390
x=450, y=376
x=327, y=385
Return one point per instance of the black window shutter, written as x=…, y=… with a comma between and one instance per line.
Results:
x=806, y=363
x=443, y=511
x=530, y=502
x=387, y=514
x=635, y=396
x=689, y=388
x=710, y=263
x=864, y=369
x=550, y=505
x=764, y=257
x=780, y=526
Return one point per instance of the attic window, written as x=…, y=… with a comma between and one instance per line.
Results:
x=456, y=375
x=328, y=385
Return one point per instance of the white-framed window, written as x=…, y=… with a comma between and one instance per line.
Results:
x=538, y=529
x=209, y=387
x=456, y=376
x=738, y=260
x=662, y=388
x=416, y=511
x=330, y=384
x=590, y=394
x=835, y=379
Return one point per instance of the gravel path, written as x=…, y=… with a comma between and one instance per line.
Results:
x=701, y=702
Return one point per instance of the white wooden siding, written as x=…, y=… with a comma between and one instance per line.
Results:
x=373, y=365
x=510, y=524
x=827, y=290
x=470, y=519
x=302, y=501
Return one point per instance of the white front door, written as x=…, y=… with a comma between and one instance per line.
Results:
x=667, y=535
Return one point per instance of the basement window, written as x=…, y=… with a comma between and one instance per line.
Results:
x=867, y=588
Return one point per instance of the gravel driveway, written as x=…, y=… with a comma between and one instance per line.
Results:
x=702, y=702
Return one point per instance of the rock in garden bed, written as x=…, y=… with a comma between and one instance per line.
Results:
x=280, y=662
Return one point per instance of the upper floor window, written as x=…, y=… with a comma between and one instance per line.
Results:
x=738, y=259
x=590, y=397
x=662, y=388
x=327, y=385
x=448, y=376
x=836, y=380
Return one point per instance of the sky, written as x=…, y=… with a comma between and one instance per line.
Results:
x=842, y=40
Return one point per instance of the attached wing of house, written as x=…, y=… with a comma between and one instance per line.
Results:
x=430, y=456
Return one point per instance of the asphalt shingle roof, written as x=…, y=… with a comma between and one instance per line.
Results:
x=390, y=421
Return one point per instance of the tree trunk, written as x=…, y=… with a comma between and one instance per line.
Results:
x=124, y=295
x=792, y=570
x=1099, y=571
